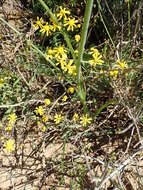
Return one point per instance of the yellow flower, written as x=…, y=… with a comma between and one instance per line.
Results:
x=49, y=54
x=70, y=23
x=47, y=101
x=72, y=70
x=58, y=118
x=1, y=82
x=62, y=64
x=9, y=145
x=121, y=64
x=44, y=118
x=39, y=110
x=71, y=67
x=12, y=118
x=78, y=25
x=55, y=27
x=85, y=120
x=77, y=38
x=60, y=52
x=38, y=23
x=63, y=13
x=64, y=99
x=97, y=57
x=114, y=73
x=75, y=117
x=43, y=128
x=38, y=123
x=67, y=67
x=46, y=29
x=71, y=90
x=9, y=127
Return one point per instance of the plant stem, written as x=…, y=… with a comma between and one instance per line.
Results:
x=87, y=15
x=6, y=23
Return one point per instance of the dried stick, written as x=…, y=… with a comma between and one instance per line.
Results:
x=120, y=167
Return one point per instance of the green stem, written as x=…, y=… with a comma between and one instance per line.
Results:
x=87, y=15
x=6, y=23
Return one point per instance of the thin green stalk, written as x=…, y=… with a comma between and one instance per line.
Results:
x=43, y=39
x=99, y=8
x=33, y=3
x=41, y=53
x=87, y=15
x=6, y=23
x=53, y=17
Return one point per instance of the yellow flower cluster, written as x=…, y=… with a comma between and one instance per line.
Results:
x=114, y=73
x=96, y=57
x=70, y=90
x=120, y=66
x=9, y=145
x=41, y=114
x=59, y=55
x=84, y=119
x=46, y=27
x=64, y=19
x=58, y=118
x=12, y=118
x=11, y=121
x=69, y=22
x=40, y=111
